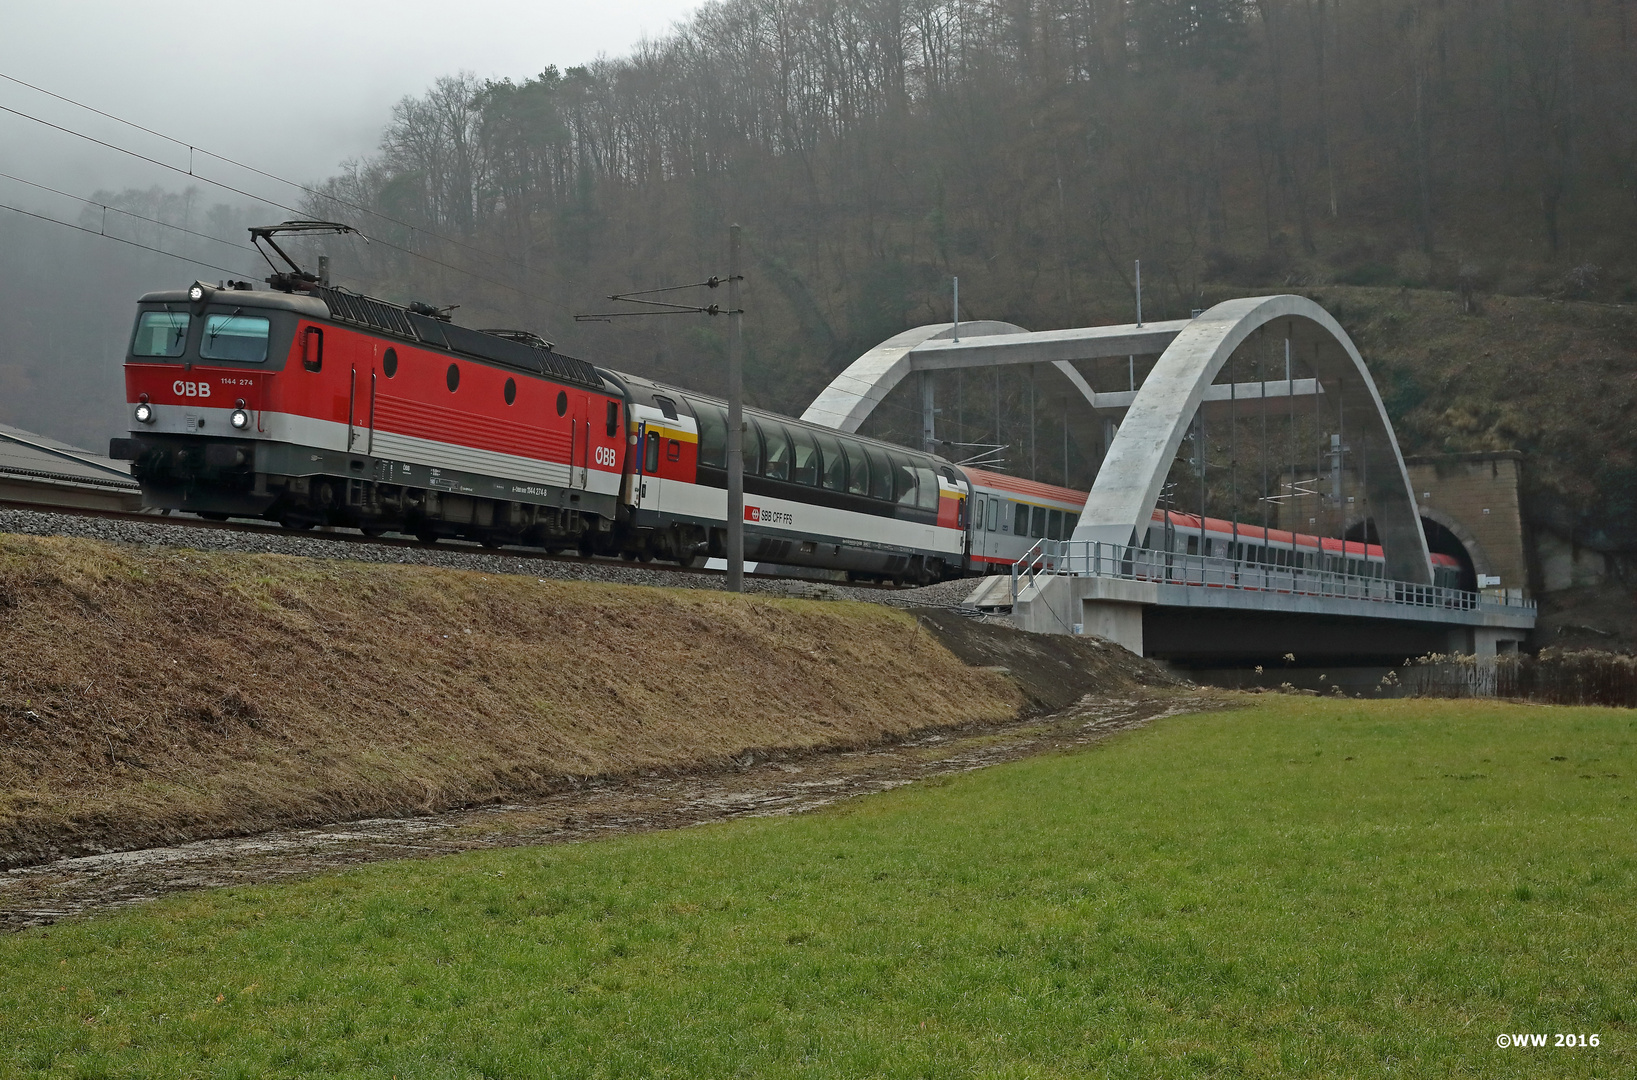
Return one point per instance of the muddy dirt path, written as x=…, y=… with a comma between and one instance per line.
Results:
x=755, y=786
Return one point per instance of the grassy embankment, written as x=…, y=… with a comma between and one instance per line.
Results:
x=152, y=695
x=1297, y=888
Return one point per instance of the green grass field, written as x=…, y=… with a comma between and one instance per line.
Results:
x=1297, y=888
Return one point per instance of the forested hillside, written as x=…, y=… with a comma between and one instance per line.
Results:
x=872, y=149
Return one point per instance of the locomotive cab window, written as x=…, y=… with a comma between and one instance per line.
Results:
x=161, y=333
x=235, y=337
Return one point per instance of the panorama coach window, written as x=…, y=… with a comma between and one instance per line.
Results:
x=713, y=435
x=805, y=468
x=776, y=461
x=833, y=467
x=161, y=333
x=903, y=478
x=235, y=337
x=858, y=469
x=880, y=474
x=926, y=487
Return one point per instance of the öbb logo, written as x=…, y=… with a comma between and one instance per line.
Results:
x=190, y=389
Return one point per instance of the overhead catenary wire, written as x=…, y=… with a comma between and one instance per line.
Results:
x=122, y=240
x=348, y=203
x=128, y=213
x=274, y=203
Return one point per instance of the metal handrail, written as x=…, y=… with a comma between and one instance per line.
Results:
x=1030, y=564
x=1090, y=558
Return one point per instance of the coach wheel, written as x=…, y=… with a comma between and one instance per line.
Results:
x=372, y=531
x=491, y=541
x=212, y=516
x=295, y=524
x=427, y=536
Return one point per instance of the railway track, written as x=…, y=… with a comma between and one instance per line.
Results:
x=334, y=534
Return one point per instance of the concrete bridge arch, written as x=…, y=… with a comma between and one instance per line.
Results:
x=1128, y=485
x=1158, y=413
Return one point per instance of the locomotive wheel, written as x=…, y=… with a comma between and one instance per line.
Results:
x=372, y=531
x=295, y=524
x=427, y=536
x=492, y=542
x=212, y=516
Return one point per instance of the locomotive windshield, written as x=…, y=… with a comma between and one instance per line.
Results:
x=161, y=333
x=235, y=337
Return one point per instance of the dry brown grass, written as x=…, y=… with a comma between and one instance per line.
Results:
x=155, y=695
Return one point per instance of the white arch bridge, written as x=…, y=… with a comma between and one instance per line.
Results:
x=1103, y=580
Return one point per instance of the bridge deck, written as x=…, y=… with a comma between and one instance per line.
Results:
x=1063, y=585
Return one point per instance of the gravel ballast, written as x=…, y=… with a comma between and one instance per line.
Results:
x=454, y=555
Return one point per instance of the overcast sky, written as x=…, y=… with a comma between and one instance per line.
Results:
x=294, y=88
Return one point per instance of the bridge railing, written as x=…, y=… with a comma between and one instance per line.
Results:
x=1085, y=558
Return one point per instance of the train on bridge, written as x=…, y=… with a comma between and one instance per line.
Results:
x=309, y=404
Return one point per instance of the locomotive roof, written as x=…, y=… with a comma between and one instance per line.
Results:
x=310, y=306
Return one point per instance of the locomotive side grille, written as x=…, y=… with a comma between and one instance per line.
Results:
x=368, y=311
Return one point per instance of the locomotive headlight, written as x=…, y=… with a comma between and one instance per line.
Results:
x=240, y=419
x=196, y=292
x=144, y=413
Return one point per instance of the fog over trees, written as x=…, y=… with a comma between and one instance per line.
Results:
x=1035, y=148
